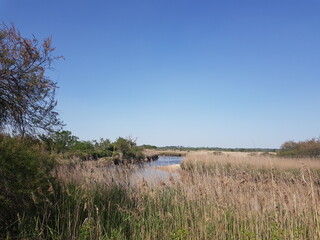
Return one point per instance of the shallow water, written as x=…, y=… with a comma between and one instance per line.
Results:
x=148, y=172
x=164, y=161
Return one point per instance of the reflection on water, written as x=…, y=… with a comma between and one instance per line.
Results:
x=152, y=175
x=163, y=161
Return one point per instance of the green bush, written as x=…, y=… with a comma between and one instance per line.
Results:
x=25, y=181
x=308, y=148
x=128, y=149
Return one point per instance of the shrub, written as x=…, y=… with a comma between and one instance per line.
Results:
x=25, y=181
x=128, y=149
x=308, y=148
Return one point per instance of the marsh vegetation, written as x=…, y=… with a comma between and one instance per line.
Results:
x=215, y=196
x=55, y=186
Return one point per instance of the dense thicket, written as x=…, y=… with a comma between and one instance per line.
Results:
x=308, y=148
x=69, y=146
x=25, y=180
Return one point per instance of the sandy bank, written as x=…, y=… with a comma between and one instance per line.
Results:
x=170, y=168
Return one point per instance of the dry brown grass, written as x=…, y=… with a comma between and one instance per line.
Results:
x=150, y=152
x=91, y=173
x=258, y=160
x=285, y=192
x=218, y=196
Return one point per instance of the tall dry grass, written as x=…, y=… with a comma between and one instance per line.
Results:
x=274, y=198
x=217, y=196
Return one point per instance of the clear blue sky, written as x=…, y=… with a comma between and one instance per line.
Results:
x=178, y=72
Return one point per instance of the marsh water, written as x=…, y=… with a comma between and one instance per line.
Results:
x=150, y=173
x=163, y=161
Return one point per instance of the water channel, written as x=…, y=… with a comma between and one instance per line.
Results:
x=152, y=173
x=164, y=161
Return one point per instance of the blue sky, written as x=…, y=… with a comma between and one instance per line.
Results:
x=178, y=72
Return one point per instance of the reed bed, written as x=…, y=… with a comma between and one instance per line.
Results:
x=269, y=197
x=217, y=196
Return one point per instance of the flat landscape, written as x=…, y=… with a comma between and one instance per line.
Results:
x=217, y=196
x=159, y=120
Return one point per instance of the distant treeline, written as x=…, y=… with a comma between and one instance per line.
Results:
x=182, y=148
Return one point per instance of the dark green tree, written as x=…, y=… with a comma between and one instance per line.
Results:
x=59, y=142
x=128, y=148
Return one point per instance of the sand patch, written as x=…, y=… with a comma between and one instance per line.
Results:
x=170, y=168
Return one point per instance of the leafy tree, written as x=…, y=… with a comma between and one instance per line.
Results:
x=59, y=141
x=128, y=149
x=27, y=95
x=83, y=146
x=103, y=144
x=104, y=147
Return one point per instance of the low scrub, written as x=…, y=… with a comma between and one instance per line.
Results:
x=309, y=148
x=64, y=145
x=25, y=181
